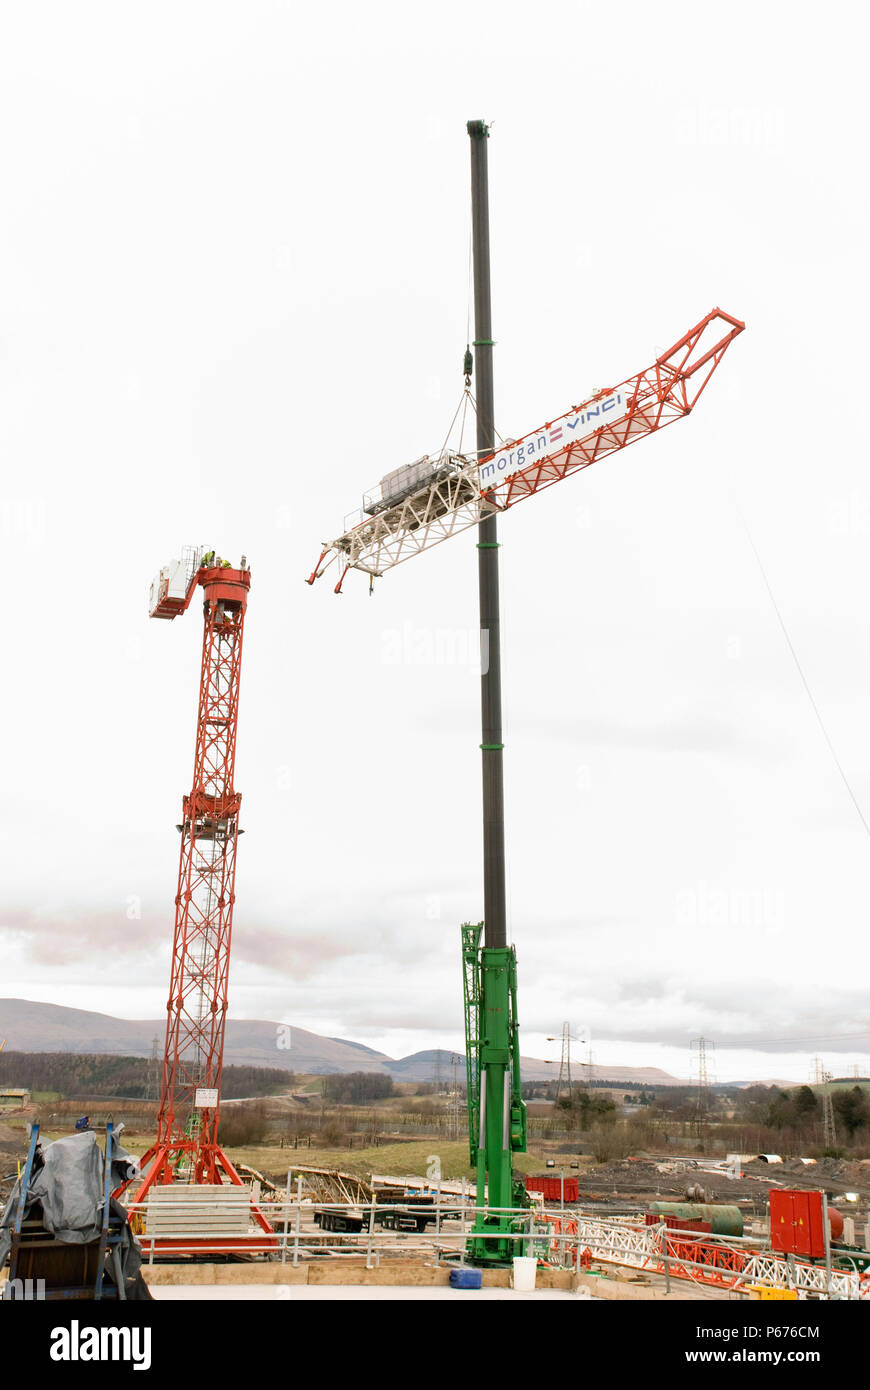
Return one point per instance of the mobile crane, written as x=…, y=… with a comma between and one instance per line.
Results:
x=438, y=497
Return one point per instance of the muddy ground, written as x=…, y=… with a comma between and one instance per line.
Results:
x=635, y=1181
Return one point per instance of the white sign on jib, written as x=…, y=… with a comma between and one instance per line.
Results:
x=552, y=439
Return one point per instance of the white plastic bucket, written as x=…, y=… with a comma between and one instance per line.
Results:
x=525, y=1270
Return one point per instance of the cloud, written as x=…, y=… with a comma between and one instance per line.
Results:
x=693, y=734
x=62, y=938
x=382, y=969
x=329, y=937
x=732, y=1012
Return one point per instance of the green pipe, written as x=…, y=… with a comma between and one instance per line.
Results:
x=724, y=1221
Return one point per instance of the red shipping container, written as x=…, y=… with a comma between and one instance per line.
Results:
x=551, y=1188
x=675, y=1223
x=796, y=1222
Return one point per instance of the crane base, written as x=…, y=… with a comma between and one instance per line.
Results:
x=493, y=1243
x=178, y=1169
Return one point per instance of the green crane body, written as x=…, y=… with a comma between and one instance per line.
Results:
x=653, y=399
x=496, y=1110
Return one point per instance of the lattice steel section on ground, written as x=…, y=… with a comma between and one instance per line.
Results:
x=686, y=1256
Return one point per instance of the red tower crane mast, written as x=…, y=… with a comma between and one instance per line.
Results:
x=187, y=1125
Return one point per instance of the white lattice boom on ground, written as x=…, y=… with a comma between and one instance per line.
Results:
x=659, y=1250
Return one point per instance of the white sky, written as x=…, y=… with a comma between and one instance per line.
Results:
x=233, y=270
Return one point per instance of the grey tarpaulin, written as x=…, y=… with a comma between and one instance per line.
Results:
x=68, y=1183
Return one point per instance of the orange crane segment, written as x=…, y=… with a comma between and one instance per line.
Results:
x=451, y=492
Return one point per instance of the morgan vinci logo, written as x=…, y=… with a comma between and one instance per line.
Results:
x=543, y=443
x=76, y=1343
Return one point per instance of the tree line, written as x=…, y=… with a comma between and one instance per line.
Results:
x=801, y=1109
x=357, y=1087
x=95, y=1074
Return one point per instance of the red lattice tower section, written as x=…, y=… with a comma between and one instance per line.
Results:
x=187, y=1148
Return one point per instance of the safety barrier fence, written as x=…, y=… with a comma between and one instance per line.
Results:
x=561, y=1238
x=310, y=1229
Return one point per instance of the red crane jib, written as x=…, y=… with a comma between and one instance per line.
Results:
x=464, y=489
x=644, y=403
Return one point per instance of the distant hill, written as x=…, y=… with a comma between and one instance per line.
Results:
x=362, y=1047
x=422, y=1066
x=33, y=1027
x=640, y=1076
x=30, y=1026
x=746, y=1085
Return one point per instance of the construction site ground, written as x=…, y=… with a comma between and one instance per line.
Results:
x=608, y=1187
x=618, y=1188
x=411, y=1279
x=307, y=1293
x=633, y=1182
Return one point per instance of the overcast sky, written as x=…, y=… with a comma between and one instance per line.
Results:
x=234, y=292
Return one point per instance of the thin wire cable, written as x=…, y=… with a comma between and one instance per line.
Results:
x=467, y=398
x=495, y=431
x=817, y=1037
x=470, y=283
x=453, y=421
x=800, y=670
x=462, y=421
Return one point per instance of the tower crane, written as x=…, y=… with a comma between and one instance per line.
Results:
x=187, y=1125
x=416, y=507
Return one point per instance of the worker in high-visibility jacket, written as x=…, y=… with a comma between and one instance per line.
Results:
x=208, y=558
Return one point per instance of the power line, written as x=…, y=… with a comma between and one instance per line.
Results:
x=800, y=670
x=817, y=1037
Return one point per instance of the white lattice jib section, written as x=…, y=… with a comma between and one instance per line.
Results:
x=659, y=1250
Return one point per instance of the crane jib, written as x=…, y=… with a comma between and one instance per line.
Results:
x=458, y=491
x=552, y=439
